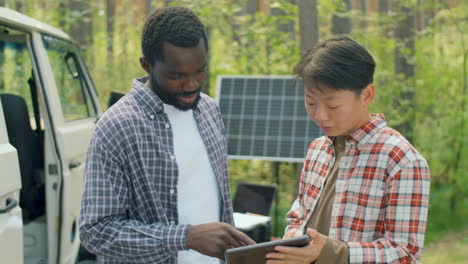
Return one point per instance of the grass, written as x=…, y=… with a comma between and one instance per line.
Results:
x=452, y=248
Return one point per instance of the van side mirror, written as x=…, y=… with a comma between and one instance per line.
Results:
x=71, y=62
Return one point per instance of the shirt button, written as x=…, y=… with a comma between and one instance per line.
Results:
x=151, y=117
x=172, y=157
x=171, y=191
x=172, y=222
x=167, y=126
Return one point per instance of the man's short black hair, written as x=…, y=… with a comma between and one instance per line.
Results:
x=338, y=63
x=177, y=25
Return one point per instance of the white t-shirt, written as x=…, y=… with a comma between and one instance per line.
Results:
x=195, y=173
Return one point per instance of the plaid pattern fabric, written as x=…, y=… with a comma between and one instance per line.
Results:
x=382, y=194
x=129, y=204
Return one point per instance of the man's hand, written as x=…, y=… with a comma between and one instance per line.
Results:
x=214, y=238
x=293, y=255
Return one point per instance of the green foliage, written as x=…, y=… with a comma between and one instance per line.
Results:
x=244, y=43
x=15, y=68
x=247, y=43
x=439, y=108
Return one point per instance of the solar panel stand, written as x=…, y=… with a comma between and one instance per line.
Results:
x=276, y=169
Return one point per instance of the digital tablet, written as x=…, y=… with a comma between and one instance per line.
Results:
x=255, y=254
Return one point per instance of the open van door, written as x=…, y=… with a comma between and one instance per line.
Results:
x=45, y=85
x=11, y=223
x=74, y=110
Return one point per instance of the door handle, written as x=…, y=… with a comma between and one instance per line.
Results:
x=74, y=164
x=10, y=204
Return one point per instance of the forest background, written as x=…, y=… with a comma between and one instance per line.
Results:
x=420, y=48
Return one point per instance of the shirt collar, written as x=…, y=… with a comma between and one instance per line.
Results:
x=362, y=135
x=147, y=97
x=365, y=132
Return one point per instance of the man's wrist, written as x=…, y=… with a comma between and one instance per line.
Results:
x=188, y=237
x=322, y=242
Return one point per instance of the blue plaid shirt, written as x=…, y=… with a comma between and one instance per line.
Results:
x=129, y=204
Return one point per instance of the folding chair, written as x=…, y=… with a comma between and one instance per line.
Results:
x=254, y=199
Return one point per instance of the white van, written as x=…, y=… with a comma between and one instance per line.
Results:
x=48, y=110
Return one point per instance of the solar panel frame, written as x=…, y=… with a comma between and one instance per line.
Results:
x=291, y=111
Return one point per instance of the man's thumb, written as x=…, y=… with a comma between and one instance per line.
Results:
x=312, y=233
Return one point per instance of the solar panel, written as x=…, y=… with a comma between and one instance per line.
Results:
x=265, y=117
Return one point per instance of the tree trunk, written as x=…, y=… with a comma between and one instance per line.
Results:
x=2, y=56
x=19, y=6
x=383, y=7
x=250, y=7
x=359, y=21
x=2, y=62
x=308, y=24
x=424, y=14
x=372, y=9
x=148, y=8
x=459, y=159
x=404, y=35
x=309, y=34
x=19, y=69
x=341, y=24
x=81, y=26
x=286, y=26
x=110, y=15
x=404, y=69
x=363, y=9
x=419, y=16
x=61, y=15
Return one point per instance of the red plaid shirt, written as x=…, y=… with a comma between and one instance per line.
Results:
x=382, y=194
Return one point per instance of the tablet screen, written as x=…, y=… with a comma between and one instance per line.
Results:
x=255, y=254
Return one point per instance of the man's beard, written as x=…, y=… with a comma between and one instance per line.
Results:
x=171, y=98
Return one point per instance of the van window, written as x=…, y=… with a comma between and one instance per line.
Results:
x=16, y=67
x=23, y=119
x=69, y=77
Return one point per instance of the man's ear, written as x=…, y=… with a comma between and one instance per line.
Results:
x=145, y=65
x=368, y=94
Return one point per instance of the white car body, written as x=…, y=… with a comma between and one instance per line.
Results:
x=64, y=110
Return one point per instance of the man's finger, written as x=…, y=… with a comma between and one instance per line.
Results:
x=231, y=241
x=241, y=237
x=286, y=250
x=312, y=233
x=292, y=253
